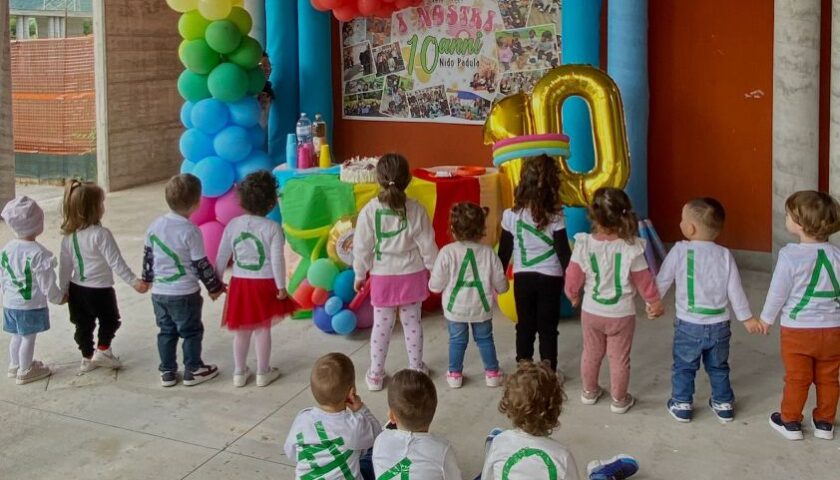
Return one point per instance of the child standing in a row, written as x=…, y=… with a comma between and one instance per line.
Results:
x=609, y=264
x=395, y=243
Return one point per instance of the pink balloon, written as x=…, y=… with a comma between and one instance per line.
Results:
x=206, y=211
x=212, y=234
x=227, y=207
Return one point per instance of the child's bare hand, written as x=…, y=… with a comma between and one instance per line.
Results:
x=754, y=325
x=65, y=299
x=140, y=286
x=354, y=402
x=765, y=327
x=575, y=301
x=214, y=296
x=282, y=294
x=360, y=284
x=655, y=309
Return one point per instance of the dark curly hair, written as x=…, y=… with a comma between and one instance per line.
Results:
x=393, y=176
x=258, y=193
x=467, y=221
x=533, y=398
x=539, y=189
x=612, y=212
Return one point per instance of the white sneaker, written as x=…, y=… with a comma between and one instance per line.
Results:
x=12, y=372
x=374, y=382
x=621, y=407
x=454, y=379
x=264, y=379
x=423, y=368
x=106, y=358
x=591, y=398
x=241, y=379
x=35, y=372
x=87, y=365
x=494, y=378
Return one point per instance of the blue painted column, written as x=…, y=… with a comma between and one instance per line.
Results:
x=627, y=64
x=581, y=45
x=281, y=20
x=315, y=63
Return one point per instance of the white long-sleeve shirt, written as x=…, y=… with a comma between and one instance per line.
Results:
x=533, y=249
x=527, y=457
x=385, y=243
x=423, y=455
x=707, y=281
x=27, y=276
x=468, y=274
x=256, y=245
x=328, y=445
x=90, y=257
x=176, y=243
x=805, y=287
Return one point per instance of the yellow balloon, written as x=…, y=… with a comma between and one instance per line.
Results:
x=238, y=3
x=340, y=242
x=182, y=5
x=507, y=304
x=214, y=9
x=541, y=113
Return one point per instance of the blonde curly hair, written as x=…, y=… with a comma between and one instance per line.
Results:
x=533, y=398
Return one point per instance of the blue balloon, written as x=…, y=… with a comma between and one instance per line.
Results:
x=187, y=166
x=216, y=176
x=258, y=137
x=322, y=320
x=209, y=115
x=333, y=305
x=186, y=112
x=344, y=322
x=232, y=144
x=255, y=162
x=196, y=145
x=275, y=215
x=344, y=287
x=246, y=112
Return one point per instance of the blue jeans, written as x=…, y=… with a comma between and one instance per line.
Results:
x=179, y=317
x=366, y=465
x=693, y=342
x=458, y=338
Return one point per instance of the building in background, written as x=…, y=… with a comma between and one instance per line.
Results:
x=50, y=18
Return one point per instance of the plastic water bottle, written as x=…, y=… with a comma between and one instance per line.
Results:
x=304, y=130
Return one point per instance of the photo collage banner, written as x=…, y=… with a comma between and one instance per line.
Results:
x=447, y=61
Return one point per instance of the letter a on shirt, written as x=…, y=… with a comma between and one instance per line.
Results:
x=823, y=263
x=462, y=282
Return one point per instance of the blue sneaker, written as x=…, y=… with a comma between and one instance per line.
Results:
x=681, y=411
x=616, y=468
x=723, y=411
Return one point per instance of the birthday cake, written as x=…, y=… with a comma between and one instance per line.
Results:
x=359, y=170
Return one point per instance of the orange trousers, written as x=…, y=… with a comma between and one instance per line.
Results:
x=810, y=356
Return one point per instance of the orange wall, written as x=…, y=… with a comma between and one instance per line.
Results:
x=711, y=85
x=707, y=137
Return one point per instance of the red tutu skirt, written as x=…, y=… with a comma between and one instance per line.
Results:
x=252, y=303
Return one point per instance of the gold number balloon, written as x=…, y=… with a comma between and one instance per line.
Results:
x=541, y=113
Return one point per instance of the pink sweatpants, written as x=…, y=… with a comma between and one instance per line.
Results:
x=612, y=337
x=380, y=337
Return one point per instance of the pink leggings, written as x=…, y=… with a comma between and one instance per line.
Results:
x=612, y=337
x=380, y=337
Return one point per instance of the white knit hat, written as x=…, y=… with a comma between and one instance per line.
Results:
x=24, y=216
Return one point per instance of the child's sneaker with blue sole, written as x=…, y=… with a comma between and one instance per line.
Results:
x=616, y=468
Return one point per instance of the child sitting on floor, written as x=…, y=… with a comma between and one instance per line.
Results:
x=328, y=441
x=409, y=449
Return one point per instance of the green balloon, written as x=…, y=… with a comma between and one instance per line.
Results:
x=198, y=56
x=248, y=55
x=223, y=36
x=192, y=25
x=192, y=86
x=256, y=81
x=242, y=19
x=228, y=83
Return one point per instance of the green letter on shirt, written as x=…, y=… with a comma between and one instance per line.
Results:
x=244, y=237
x=691, y=303
x=380, y=234
x=154, y=240
x=551, y=468
x=522, y=227
x=24, y=286
x=308, y=452
x=398, y=471
x=811, y=291
x=469, y=261
x=596, y=295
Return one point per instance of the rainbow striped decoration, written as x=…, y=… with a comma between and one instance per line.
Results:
x=551, y=144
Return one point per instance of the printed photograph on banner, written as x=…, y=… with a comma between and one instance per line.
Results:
x=363, y=104
x=530, y=48
x=513, y=82
x=429, y=103
x=389, y=59
x=484, y=80
x=354, y=32
x=546, y=11
x=395, y=96
x=364, y=84
x=357, y=61
x=379, y=31
x=468, y=105
x=515, y=12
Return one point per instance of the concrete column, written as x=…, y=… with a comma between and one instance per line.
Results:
x=796, y=86
x=21, y=28
x=834, y=99
x=62, y=27
x=257, y=10
x=51, y=27
x=7, y=154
